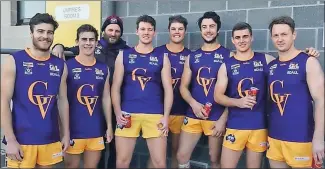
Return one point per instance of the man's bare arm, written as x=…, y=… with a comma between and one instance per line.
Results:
x=117, y=83
x=185, y=82
x=8, y=77
x=315, y=81
x=63, y=103
x=167, y=85
x=220, y=88
x=107, y=103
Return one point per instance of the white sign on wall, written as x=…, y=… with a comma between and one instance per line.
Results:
x=72, y=12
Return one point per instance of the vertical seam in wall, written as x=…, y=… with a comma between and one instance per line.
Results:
x=157, y=7
x=226, y=5
x=189, y=6
x=127, y=8
x=267, y=40
x=292, y=12
x=247, y=16
x=269, y=3
x=226, y=38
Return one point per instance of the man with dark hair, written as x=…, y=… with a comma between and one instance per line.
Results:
x=90, y=102
x=197, y=84
x=142, y=96
x=296, y=82
x=35, y=81
x=106, y=51
x=176, y=52
x=242, y=75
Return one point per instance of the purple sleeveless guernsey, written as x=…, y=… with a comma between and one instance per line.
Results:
x=242, y=75
x=85, y=91
x=177, y=61
x=34, y=111
x=142, y=86
x=204, y=66
x=291, y=115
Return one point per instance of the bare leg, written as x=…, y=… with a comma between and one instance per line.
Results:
x=230, y=158
x=157, y=147
x=253, y=159
x=72, y=160
x=215, y=145
x=187, y=144
x=124, y=151
x=278, y=164
x=91, y=158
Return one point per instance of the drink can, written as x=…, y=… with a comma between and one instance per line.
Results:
x=253, y=91
x=315, y=165
x=207, y=107
x=127, y=116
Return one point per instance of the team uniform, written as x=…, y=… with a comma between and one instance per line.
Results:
x=34, y=111
x=85, y=89
x=204, y=66
x=142, y=94
x=291, y=122
x=179, y=107
x=246, y=127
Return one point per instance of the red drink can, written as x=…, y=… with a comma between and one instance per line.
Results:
x=127, y=116
x=253, y=91
x=315, y=165
x=207, y=107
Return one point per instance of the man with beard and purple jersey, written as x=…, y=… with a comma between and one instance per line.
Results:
x=35, y=81
x=176, y=53
x=296, y=85
x=241, y=75
x=106, y=51
x=197, y=86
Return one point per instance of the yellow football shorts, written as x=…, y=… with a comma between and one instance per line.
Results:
x=175, y=123
x=44, y=155
x=78, y=146
x=255, y=140
x=295, y=154
x=146, y=123
x=191, y=125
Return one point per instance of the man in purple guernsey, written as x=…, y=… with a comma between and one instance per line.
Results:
x=242, y=75
x=198, y=81
x=142, y=89
x=176, y=53
x=35, y=81
x=295, y=82
x=90, y=102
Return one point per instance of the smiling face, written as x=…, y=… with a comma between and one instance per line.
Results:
x=242, y=39
x=282, y=36
x=146, y=32
x=87, y=43
x=209, y=30
x=42, y=36
x=177, y=32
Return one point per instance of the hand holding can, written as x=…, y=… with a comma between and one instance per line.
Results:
x=315, y=164
x=207, y=107
x=127, y=116
x=253, y=91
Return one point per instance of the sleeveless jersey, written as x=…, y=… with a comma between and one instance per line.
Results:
x=85, y=91
x=34, y=111
x=242, y=75
x=142, y=86
x=291, y=115
x=205, y=66
x=177, y=61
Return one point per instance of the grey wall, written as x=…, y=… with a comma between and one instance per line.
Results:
x=308, y=14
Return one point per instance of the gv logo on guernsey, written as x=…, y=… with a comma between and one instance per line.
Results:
x=204, y=82
x=88, y=101
x=39, y=100
x=142, y=80
x=175, y=80
x=240, y=84
x=280, y=100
